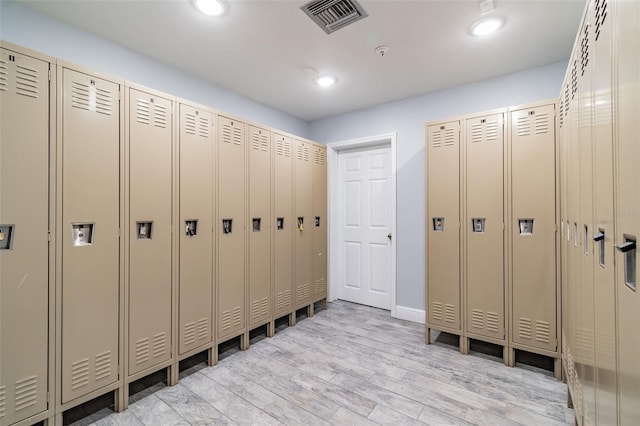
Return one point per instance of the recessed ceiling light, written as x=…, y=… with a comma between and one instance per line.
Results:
x=325, y=80
x=486, y=25
x=211, y=7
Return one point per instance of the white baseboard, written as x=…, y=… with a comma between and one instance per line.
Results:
x=410, y=314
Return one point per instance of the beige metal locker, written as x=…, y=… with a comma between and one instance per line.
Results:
x=260, y=302
x=603, y=230
x=484, y=227
x=283, y=224
x=319, y=203
x=230, y=290
x=195, y=225
x=533, y=231
x=626, y=16
x=149, y=285
x=303, y=222
x=89, y=190
x=443, y=227
x=585, y=224
x=24, y=227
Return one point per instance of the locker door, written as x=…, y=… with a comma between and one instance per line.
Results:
x=90, y=227
x=319, y=222
x=627, y=206
x=484, y=226
x=149, y=286
x=585, y=224
x=603, y=232
x=196, y=227
x=443, y=225
x=302, y=222
x=284, y=226
x=533, y=227
x=260, y=226
x=231, y=237
x=24, y=226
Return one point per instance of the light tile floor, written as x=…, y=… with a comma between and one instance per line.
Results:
x=350, y=365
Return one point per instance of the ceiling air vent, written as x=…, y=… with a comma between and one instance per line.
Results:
x=331, y=15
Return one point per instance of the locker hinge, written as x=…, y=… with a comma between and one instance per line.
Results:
x=49, y=74
x=48, y=397
x=49, y=236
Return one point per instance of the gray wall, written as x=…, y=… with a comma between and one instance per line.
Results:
x=407, y=119
x=26, y=27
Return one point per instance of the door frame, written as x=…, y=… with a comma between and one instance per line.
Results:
x=333, y=148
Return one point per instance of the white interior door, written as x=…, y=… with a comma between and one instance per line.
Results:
x=364, y=177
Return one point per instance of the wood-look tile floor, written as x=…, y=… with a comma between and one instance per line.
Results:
x=350, y=365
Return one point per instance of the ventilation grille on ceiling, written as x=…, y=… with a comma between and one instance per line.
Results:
x=331, y=15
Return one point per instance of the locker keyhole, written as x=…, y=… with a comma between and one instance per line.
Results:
x=256, y=224
x=280, y=223
x=227, y=226
x=6, y=236
x=191, y=228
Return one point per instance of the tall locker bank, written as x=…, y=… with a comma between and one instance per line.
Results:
x=149, y=206
x=260, y=225
x=443, y=228
x=230, y=290
x=484, y=227
x=319, y=205
x=302, y=183
x=25, y=285
x=284, y=226
x=532, y=171
x=627, y=205
x=195, y=227
x=89, y=212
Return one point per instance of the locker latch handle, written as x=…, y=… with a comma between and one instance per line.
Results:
x=301, y=223
x=626, y=246
x=598, y=237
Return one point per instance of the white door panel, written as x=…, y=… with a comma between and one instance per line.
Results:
x=365, y=224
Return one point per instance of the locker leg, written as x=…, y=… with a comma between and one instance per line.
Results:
x=512, y=358
x=557, y=368
x=271, y=329
x=50, y=421
x=464, y=345
x=310, y=310
x=212, y=356
x=58, y=419
x=325, y=304
x=173, y=373
x=427, y=336
x=119, y=400
x=292, y=319
x=569, y=399
x=244, y=341
x=505, y=355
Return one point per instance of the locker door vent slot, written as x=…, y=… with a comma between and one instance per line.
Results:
x=628, y=248
x=600, y=238
x=26, y=392
x=159, y=344
x=492, y=321
x=601, y=14
x=227, y=226
x=525, y=328
x=191, y=227
x=449, y=313
x=280, y=223
x=144, y=230
x=525, y=226
x=283, y=300
x=438, y=224
x=477, y=319
x=256, y=221
x=260, y=308
x=82, y=234
x=190, y=124
x=103, y=365
x=2, y=401
x=6, y=236
x=321, y=285
x=80, y=373
x=27, y=82
x=542, y=331
x=317, y=221
x=142, y=350
x=477, y=224
x=303, y=292
x=436, y=311
x=301, y=223
x=203, y=328
x=190, y=333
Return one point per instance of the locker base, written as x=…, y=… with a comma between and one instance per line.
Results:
x=557, y=361
x=463, y=342
x=569, y=399
x=172, y=372
x=323, y=303
x=212, y=356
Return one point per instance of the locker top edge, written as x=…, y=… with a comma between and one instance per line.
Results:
x=21, y=50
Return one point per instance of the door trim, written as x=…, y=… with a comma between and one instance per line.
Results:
x=333, y=148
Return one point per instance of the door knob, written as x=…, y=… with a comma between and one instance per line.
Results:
x=389, y=236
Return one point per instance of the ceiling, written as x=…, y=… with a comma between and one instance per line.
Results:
x=260, y=48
